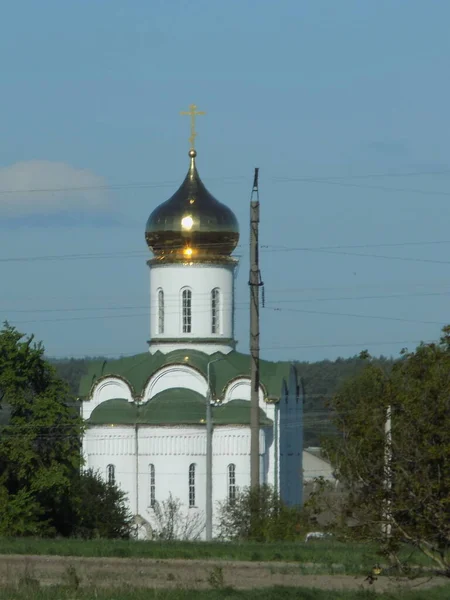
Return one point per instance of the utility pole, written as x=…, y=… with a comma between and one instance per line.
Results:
x=387, y=524
x=254, y=283
x=209, y=455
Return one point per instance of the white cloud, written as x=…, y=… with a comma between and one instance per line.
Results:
x=39, y=187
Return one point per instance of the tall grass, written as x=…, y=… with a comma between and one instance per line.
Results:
x=280, y=593
x=319, y=552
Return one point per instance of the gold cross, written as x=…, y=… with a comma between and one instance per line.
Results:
x=193, y=113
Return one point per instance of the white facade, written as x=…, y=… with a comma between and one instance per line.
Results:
x=152, y=463
x=191, y=306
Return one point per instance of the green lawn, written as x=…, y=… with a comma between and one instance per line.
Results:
x=346, y=558
x=58, y=593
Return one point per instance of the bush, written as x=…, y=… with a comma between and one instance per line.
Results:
x=260, y=515
x=95, y=509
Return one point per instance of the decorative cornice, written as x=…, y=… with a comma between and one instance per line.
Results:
x=205, y=261
x=185, y=340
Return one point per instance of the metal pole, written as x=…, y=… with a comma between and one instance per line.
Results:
x=254, y=284
x=209, y=456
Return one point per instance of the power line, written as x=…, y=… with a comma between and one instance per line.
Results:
x=265, y=248
x=114, y=186
x=338, y=314
x=381, y=188
x=206, y=306
x=269, y=308
x=338, y=247
x=365, y=255
x=328, y=179
x=365, y=176
x=387, y=285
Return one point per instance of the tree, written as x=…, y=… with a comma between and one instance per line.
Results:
x=398, y=484
x=39, y=438
x=172, y=522
x=259, y=515
x=95, y=509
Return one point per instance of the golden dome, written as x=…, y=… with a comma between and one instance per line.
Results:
x=192, y=226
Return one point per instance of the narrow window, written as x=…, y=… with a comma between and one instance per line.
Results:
x=215, y=310
x=191, y=485
x=160, y=311
x=231, y=483
x=187, y=311
x=111, y=474
x=152, y=486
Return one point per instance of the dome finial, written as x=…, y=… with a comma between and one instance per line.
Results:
x=193, y=112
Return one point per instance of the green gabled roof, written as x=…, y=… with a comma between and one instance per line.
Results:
x=237, y=412
x=173, y=406
x=138, y=369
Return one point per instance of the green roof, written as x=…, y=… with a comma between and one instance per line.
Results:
x=113, y=412
x=137, y=370
x=237, y=412
x=173, y=406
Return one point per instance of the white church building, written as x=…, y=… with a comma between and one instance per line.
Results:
x=145, y=414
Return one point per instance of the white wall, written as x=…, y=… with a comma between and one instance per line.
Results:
x=201, y=279
x=171, y=450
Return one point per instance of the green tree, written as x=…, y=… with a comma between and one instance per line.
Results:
x=398, y=484
x=39, y=438
x=95, y=509
x=259, y=515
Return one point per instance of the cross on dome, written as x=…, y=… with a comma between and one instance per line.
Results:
x=193, y=113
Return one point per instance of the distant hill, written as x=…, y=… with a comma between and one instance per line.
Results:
x=321, y=381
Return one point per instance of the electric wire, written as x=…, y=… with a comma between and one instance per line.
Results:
x=328, y=179
x=228, y=305
x=267, y=248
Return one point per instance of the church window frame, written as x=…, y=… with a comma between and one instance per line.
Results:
x=232, y=487
x=215, y=310
x=186, y=310
x=152, y=487
x=111, y=474
x=192, y=469
x=160, y=311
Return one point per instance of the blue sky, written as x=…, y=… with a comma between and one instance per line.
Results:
x=342, y=105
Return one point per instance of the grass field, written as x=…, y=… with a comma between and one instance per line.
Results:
x=331, y=556
x=59, y=593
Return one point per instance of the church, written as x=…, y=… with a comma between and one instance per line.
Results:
x=146, y=414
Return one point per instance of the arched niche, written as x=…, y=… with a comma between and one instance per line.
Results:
x=175, y=376
x=108, y=388
x=240, y=389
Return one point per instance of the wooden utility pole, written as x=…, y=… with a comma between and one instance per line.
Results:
x=387, y=520
x=254, y=283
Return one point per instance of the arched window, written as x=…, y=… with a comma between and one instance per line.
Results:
x=191, y=485
x=215, y=310
x=187, y=310
x=151, y=469
x=160, y=311
x=111, y=474
x=231, y=483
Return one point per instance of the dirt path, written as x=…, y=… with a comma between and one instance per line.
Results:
x=173, y=573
